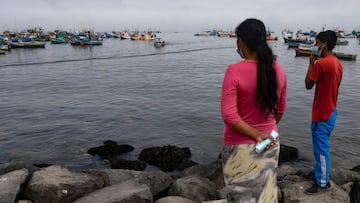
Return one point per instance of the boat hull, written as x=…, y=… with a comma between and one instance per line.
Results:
x=91, y=43
x=339, y=55
x=34, y=45
x=58, y=41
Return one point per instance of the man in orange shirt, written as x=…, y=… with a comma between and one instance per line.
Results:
x=326, y=74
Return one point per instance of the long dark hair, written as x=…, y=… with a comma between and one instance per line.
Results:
x=253, y=33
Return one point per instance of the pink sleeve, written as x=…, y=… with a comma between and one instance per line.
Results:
x=229, y=109
x=282, y=91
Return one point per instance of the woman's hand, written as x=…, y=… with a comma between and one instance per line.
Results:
x=243, y=128
x=263, y=136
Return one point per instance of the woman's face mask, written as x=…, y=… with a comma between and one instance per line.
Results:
x=240, y=53
x=238, y=50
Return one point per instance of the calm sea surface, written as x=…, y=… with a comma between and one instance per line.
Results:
x=57, y=102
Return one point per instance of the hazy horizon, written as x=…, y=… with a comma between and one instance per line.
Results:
x=182, y=16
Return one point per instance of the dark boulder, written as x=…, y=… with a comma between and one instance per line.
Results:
x=288, y=153
x=355, y=193
x=356, y=169
x=42, y=165
x=117, y=163
x=167, y=158
x=110, y=149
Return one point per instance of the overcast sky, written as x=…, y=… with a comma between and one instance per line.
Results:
x=178, y=15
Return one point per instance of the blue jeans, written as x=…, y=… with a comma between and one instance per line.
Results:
x=321, y=146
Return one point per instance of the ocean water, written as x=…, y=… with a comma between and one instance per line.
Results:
x=57, y=102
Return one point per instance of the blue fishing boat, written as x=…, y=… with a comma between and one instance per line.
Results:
x=26, y=43
x=85, y=42
x=109, y=35
x=59, y=40
x=294, y=43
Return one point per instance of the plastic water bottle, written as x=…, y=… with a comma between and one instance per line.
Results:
x=262, y=145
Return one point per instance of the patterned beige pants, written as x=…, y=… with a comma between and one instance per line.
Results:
x=250, y=177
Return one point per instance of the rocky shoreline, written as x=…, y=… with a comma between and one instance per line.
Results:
x=178, y=180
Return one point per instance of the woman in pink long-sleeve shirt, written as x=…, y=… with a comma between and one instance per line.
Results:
x=253, y=102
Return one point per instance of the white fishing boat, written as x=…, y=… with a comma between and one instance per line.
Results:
x=159, y=42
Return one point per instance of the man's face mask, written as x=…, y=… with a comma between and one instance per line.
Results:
x=317, y=50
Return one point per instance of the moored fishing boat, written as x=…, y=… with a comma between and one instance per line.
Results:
x=125, y=35
x=25, y=43
x=108, y=35
x=75, y=42
x=342, y=42
x=34, y=44
x=295, y=43
x=287, y=34
x=90, y=42
x=15, y=45
x=203, y=33
x=349, y=57
x=84, y=41
x=305, y=45
x=269, y=36
x=232, y=34
x=159, y=43
x=303, y=52
x=5, y=47
x=59, y=40
x=135, y=36
x=146, y=36
x=339, y=55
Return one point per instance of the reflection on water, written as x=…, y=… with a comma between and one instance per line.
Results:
x=59, y=101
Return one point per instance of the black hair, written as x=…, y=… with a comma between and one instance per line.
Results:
x=253, y=33
x=329, y=37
